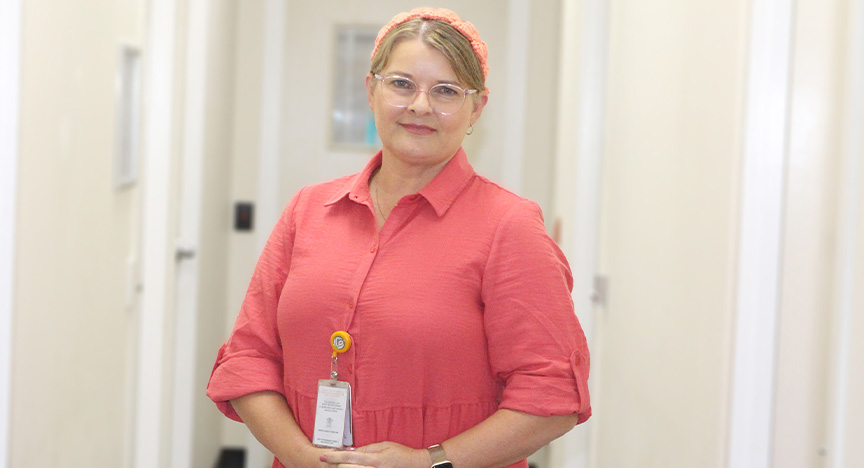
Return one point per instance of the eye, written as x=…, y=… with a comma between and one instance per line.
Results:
x=401, y=84
x=444, y=91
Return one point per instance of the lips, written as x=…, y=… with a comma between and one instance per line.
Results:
x=416, y=129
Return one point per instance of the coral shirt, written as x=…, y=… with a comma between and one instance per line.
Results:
x=459, y=306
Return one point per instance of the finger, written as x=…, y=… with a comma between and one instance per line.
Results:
x=373, y=448
x=351, y=458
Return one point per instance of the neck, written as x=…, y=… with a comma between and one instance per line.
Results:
x=397, y=179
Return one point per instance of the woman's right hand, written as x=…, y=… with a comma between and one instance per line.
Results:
x=271, y=421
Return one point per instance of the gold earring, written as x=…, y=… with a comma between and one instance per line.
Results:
x=470, y=130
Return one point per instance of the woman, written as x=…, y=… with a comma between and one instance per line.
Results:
x=466, y=351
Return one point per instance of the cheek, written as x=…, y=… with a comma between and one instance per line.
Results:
x=457, y=125
x=384, y=112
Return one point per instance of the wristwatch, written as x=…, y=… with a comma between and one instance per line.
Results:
x=439, y=458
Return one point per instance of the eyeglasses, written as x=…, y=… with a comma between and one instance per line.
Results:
x=445, y=99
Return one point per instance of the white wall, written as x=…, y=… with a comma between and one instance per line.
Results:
x=660, y=358
x=75, y=341
x=541, y=106
x=670, y=237
x=662, y=351
x=74, y=234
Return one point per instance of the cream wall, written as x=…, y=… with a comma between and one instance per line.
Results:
x=78, y=239
x=70, y=355
x=541, y=106
x=662, y=349
x=671, y=162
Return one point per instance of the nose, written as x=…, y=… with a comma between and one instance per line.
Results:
x=421, y=104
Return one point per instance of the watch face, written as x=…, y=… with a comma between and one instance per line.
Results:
x=444, y=464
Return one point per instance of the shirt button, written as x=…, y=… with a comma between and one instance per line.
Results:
x=350, y=303
x=577, y=360
x=373, y=249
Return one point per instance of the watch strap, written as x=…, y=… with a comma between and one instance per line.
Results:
x=438, y=456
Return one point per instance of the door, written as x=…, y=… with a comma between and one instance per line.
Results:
x=661, y=349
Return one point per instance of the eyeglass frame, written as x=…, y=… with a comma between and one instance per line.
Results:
x=465, y=92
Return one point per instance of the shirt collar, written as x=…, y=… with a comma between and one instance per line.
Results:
x=440, y=193
x=356, y=187
x=449, y=183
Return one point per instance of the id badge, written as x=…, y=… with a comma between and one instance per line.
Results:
x=333, y=409
x=333, y=415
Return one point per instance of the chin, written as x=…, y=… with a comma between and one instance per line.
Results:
x=420, y=156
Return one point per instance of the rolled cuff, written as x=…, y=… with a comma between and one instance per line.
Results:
x=240, y=375
x=545, y=395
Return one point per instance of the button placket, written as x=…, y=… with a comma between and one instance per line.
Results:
x=360, y=275
x=401, y=213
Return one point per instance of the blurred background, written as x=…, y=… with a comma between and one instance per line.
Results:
x=699, y=161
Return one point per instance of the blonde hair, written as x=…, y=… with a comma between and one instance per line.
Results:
x=441, y=36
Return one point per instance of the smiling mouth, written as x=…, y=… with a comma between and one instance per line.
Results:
x=418, y=129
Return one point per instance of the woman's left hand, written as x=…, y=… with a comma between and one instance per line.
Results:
x=380, y=455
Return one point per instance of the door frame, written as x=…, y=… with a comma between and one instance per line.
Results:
x=162, y=304
x=187, y=244
x=848, y=225
x=579, y=154
x=156, y=247
x=760, y=233
x=10, y=61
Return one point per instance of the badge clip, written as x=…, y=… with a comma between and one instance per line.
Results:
x=340, y=342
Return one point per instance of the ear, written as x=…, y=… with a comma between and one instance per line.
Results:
x=479, y=105
x=370, y=88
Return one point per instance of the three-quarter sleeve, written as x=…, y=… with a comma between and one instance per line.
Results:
x=536, y=346
x=251, y=360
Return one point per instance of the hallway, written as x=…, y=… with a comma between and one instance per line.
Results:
x=701, y=164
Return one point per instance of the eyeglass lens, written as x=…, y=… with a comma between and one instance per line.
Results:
x=443, y=98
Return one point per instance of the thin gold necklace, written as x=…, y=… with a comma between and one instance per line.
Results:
x=378, y=204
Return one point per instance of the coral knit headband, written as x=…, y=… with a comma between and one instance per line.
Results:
x=441, y=14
